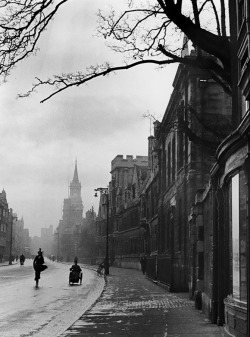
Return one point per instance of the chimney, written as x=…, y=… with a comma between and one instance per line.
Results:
x=150, y=149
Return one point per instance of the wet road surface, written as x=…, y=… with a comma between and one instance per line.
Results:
x=48, y=310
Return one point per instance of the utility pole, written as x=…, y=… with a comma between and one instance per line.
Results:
x=104, y=191
x=58, y=246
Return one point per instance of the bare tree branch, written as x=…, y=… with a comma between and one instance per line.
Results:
x=145, y=35
x=217, y=18
x=21, y=24
x=218, y=46
x=208, y=64
x=196, y=13
x=68, y=80
x=223, y=18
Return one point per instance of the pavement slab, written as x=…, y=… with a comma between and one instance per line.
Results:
x=132, y=305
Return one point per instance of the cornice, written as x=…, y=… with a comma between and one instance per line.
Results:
x=232, y=143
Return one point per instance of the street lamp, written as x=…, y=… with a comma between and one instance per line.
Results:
x=11, y=231
x=104, y=191
x=57, y=243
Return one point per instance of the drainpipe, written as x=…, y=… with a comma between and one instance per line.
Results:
x=246, y=167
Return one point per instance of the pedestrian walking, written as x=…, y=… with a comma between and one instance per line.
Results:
x=22, y=259
x=39, y=265
x=143, y=262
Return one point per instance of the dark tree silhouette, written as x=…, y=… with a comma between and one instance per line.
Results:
x=150, y=34
x=21, y=24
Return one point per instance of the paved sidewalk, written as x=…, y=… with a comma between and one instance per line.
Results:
x=6, y=263
x=132, y=305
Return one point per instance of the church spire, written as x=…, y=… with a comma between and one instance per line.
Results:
x=75, y=178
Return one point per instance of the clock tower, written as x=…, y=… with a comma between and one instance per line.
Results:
x=75, y=198
x=70, y=225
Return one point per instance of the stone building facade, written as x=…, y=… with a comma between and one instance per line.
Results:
x=184, y=151
x=68, y=231
x=194, y=204
x=4, y=255
x=125, y=238
x=87, y=243
x=222, y=209
x=12, y=231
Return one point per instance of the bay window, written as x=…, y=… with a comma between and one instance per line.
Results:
x=238, y=222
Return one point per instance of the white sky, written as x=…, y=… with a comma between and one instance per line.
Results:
x=93, y=123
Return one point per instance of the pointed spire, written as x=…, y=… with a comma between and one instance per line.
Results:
x=75, y=178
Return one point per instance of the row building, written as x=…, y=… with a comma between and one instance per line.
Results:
x=14, y=238
x=186, y=205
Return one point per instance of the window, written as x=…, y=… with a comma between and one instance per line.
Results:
x=180, y=224
x=244, y=59
x=168, y=231
x=180, y=138
x=133, y=191
x=238, y=221
x=169, y=165
x=244, y=106
x=247, y=105
x=180, y=150
x=241, y=12
x=173, y=159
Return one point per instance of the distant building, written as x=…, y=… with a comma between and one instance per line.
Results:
x=35, y=245
x=4, y=217
x=11, y=231
x=69, y=226
x=18, y=236
x=128, y=176
x=46, y=240
x=87, y=244
x=27, y=242
x=89, y=220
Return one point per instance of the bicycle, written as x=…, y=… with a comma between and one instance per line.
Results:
x=100, y=269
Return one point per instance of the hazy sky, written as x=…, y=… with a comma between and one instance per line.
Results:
x=93, y=123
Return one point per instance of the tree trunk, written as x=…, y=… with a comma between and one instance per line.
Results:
x=219, y=46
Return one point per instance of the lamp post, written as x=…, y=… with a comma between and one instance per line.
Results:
x=11, y=231
x=104, y=191
x=57, y=245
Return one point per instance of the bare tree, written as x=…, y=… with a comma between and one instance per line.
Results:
x=150, y=34
x=21, y=24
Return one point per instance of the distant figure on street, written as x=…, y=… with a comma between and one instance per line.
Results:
x=22, y=259
x=143, y=262
x=39, y=265
x=75, y=268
